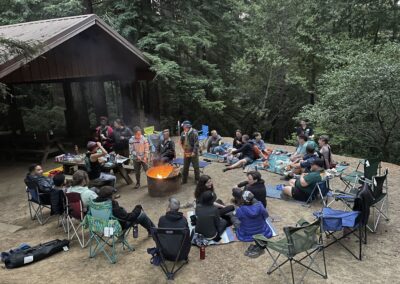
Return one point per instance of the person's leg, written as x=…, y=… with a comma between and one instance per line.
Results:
x=145, y=166
x=145, y=221
x=287, y=190
x=137, y=165
x=238, y=164
x=226, y=210
x=195, y=163
x=108, y=177
x=292, y=182
x=185, y=171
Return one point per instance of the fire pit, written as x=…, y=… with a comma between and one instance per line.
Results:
x=163, y=180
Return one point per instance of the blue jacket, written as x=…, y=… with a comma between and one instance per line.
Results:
x=252, y=222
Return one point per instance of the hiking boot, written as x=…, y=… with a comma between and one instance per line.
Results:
x=137, y=186
x=256, y=252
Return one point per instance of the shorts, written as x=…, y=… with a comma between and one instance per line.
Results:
x=248, y=160
x=300, y=195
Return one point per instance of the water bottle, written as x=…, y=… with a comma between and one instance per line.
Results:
x=135, y=231
x=202, y=252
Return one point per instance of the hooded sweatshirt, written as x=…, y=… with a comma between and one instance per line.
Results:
x=252, y=222
x=258, y=190
x=173, y=219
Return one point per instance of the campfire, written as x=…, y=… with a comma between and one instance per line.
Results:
x=163, y=180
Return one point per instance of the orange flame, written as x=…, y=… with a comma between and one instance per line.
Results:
x=160, y=172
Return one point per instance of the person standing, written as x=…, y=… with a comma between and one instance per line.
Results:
x=166, y=149
x=190, y=145
x=139, y=152
x=122, y=134
x=104, y=134
x=305, y=129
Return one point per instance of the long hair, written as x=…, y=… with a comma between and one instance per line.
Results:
x=201, y=186
x=255, y=175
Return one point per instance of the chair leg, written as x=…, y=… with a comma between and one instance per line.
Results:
x=291, y=270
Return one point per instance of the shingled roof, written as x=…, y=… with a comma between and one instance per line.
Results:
x=51, y=33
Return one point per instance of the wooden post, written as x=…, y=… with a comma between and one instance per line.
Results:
x=128, y=103
x=69, y=108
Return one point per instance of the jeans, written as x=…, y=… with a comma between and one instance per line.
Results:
x=137, y=165
x=186, y=165
x=108, y=177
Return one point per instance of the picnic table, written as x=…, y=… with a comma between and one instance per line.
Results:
x=72, y=163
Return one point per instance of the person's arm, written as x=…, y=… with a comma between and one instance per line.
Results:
x=240, y=150
x=243, y=183
x=303, y=182
x=195, y=138
x=218, y=205
x=325, y=155
x=208, y=145
x=94, y=157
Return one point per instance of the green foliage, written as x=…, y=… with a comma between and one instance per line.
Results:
x=43, y=118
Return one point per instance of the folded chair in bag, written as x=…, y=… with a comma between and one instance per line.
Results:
x=37, y=202
x=348, y=222
x=173, y=245
x=74, y=210
x=105, y=231
x=304, y=238
x=148, y=130
x=203, y=136
x=371, y=167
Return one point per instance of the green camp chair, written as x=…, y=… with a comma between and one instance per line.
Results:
x=100, y=222
x=371, y=168
x=304, y=238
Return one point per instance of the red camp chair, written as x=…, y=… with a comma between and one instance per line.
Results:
x=74, y=210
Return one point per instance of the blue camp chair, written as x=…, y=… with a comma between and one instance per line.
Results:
x=101, y=222
x=203, y=137
x=37, y=202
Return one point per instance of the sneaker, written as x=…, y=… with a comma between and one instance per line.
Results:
x=256, y=252
x=137, y=186
x=249, y=249
x=225, y=170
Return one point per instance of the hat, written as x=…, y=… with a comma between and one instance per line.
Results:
x=186, y=123
x=247, y=196
x=91, y=146
x=174, y=204
x=105, y=192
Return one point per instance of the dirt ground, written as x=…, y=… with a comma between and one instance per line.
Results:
x=223, y=263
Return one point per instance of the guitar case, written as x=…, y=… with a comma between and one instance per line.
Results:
x=36, y=253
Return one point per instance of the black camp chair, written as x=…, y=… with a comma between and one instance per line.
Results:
x=37, y=202
x=371, y=167
x=304, y=238
x=174, y=246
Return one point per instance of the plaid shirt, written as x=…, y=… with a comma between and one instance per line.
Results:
x=138, y=147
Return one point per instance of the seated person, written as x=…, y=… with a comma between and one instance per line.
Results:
x=304, y=165
x=237, y=140
x=255, y=184
x=174, y=219
x=252, y=215
x=326, y=152
x=259, y=142
x=301, y=148
x=214, y=143
x=59, y=181
x=166, y=149
x=208, y=221
x=301, y=188
x=247, y=156
x=80, y=183
x=305, y=130
x=94, y=159
x=45, y=185
x=127, y=220
x=225, y=211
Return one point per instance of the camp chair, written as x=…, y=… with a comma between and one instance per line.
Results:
x=148, y=130
x=304, y=238
x=173, y=245
x=380, y=204
x=37, y=202
x=321, y=191
x=203, y=136
x=74, y=210
x=355, y=222
x=105, y=231
x=371, y=168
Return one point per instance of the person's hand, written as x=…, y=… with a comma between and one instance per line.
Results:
x=193, y=154
x=102, y=136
